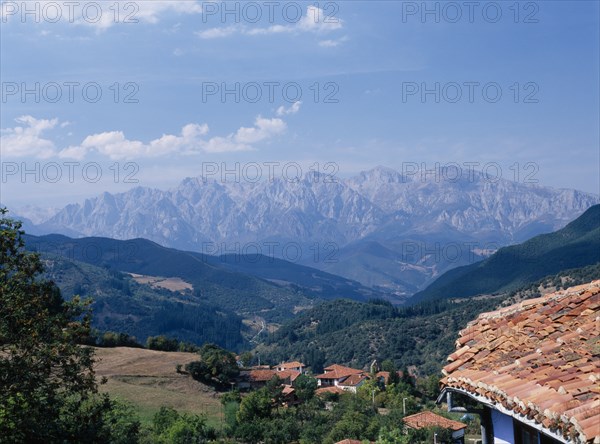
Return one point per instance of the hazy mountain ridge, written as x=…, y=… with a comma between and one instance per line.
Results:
x=380, y=206
x=574, y=246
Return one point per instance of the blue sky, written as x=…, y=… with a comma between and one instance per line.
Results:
x=368, y=61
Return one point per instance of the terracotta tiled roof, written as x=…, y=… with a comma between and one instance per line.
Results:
x=350, y=441
x=260, y=375
x=331, y=389
x=293, y=364
x=382, y=374
x=287, y=390
x=292, y=374
x=386, y=375
x=353, y=380
x=336, y=371
x=423, y=420
x=539, y=358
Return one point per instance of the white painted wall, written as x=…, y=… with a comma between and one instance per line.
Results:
x=503, y=428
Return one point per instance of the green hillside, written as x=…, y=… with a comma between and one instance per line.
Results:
x=317, y=283
x=574, y=246
x=421, y=335
x=237, y=292
x=123, y=305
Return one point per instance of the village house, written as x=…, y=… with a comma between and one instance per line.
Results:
x=345, y=378
x=255, y=378
x=258, y=376
x=423, y=420
x=534, y=369
x=294, y=365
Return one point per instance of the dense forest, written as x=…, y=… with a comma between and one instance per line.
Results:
x=422, y=335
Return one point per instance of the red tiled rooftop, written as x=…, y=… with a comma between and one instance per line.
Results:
x=353, y=380
x=351, y=441
x=336, y=371
x=331, y=389
x=261, y=375
x=288, y=390
x=423, y=420
x=292, y=374
x=538, y=358
x=289, y=365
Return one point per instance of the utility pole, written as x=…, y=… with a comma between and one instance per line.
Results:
x=404, y=406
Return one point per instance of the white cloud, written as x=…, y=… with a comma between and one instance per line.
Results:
x=262, y=129
x=273, y=29
x=116, y=146
x=87, y=13
x=151, y=10
x=27, y=140
x=282, y=110
x=330, y=43
x=215, y=33
x=315, y=21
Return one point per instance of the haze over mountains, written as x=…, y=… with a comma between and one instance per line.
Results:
x=380, y=227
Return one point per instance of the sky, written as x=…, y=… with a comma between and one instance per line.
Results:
x=106, y=96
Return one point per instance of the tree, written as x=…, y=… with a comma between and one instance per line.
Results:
x=305, y=387
x=257, y=405
x=170, y=427
x=42, y=367
x=162, y=343
x=393, y=436
x=246, y=358
x=216, y=366
x=389, y=366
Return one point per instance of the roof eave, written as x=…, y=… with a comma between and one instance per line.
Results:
x=499, y=407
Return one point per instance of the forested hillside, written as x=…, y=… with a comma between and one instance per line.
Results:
x=421, y=335
x=120, y=304
x=576, y=245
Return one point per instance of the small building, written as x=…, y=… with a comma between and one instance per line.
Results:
x=353, y=382
x=351, y=441
x=423, y=420
x=288, y=376
x=294, y=365
x=534, y=369
x=289, y=397
x=255, y=378
x=330, y=389
x=336, y=374
x=384, y=377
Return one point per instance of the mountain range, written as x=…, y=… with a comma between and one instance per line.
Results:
x=380, y=228
x=574, y=246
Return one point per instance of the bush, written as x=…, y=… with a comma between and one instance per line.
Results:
x=171, y=427
x=162, y=343
x=217, y=366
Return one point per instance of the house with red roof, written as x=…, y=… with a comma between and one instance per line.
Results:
x=533, y=368
x=423, y=420
x=293, y=365
x=346, y=378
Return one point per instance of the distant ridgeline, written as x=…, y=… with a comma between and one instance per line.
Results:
x=219, y=292
x=574, y=246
